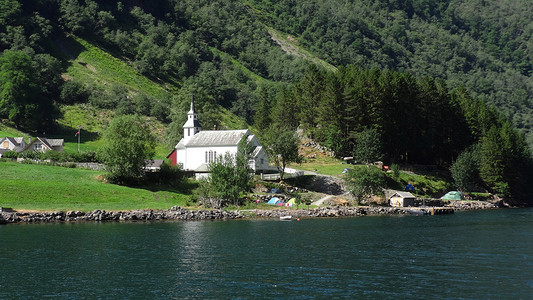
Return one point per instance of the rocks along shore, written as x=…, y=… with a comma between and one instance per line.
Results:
x=180, y=213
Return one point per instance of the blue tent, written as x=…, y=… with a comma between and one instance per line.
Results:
x=273, y=201
x=409, y=187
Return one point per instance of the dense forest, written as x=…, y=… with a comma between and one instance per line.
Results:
x=402, y=119
x=433, y=81
x=486, y=46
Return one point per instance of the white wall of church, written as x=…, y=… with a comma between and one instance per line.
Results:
x=195, y=156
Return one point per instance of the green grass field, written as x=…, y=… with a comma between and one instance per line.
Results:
x=50, y=188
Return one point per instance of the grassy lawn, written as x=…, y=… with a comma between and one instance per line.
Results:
x=48, y=188
x=323, y=166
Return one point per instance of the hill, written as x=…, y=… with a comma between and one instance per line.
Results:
x=149, y=58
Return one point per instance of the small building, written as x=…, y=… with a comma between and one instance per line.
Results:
x=16, y=144
x=41, y=144
x=402, y=199
x=198, y=148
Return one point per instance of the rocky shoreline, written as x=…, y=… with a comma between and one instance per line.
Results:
x=184, y=214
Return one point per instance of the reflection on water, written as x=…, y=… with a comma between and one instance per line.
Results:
x=485, y=254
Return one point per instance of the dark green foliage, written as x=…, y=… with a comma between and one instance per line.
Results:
x=10, y=154
x=368, y=148
x=167, y=175
x=465, y=170
x=54, y=156
x=230, y=176
x=128, y=143
x=365, y=181
x=395, y=168
x=21, y=100
x=74, y=92
x=282, y=146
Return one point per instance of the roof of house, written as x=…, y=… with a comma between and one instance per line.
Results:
x=18, y=142
x=202, y=168
x=48, y=143
x=153, y=164
x=14, y=140
x=55, y=142
x=403, y=195
x=215, y=138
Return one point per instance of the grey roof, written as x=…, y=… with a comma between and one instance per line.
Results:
x=203, y=168
x=216, y=138
x=55, y=142
x=49, y=143
x=403, y=195
x=153, y=163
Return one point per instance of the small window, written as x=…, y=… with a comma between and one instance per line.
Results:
x=37, y=146
x=6, y=144
x=262, y=161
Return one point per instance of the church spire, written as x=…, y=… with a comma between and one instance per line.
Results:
x=192, y=106
x=192, y=126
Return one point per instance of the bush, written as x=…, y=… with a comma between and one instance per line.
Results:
x=10, y=154
x=167, y=175
x=32, y=155
x=74, y=92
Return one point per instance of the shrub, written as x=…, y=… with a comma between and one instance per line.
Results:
x=10, y=154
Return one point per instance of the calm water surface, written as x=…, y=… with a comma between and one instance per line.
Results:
x=478, y=255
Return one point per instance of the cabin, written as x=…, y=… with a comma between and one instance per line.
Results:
x=402, y=199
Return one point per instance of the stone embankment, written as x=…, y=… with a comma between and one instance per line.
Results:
x=179, y=213
x=175, y=213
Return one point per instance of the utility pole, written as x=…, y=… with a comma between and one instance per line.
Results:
x=79, y=136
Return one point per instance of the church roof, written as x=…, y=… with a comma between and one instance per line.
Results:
x=192, y=122
x=216, y=138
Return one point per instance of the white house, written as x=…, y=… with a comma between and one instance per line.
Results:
x=41, y=144
x=198, y=148
x=16, y=144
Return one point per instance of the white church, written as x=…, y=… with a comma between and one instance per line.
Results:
x=198, y=148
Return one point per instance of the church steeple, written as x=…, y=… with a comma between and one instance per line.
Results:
x=192, y=126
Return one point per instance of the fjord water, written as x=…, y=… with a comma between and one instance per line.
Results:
x=482, y=255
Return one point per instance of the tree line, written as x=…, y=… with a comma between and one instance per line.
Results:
x=394, y=116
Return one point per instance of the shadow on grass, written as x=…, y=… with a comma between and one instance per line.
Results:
x=69, y=134
x=184, y=187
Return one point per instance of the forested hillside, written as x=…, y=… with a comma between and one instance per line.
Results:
x=418, y=76
x=187, y=45
x=486, y=46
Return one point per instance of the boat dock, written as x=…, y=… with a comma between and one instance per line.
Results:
x=433, y=211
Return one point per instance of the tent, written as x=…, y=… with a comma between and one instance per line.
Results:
x=453, y=195
x=274, y=201
x=275, y=191
x=291, y=202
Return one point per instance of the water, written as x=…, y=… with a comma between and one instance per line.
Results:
x=481, y=255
